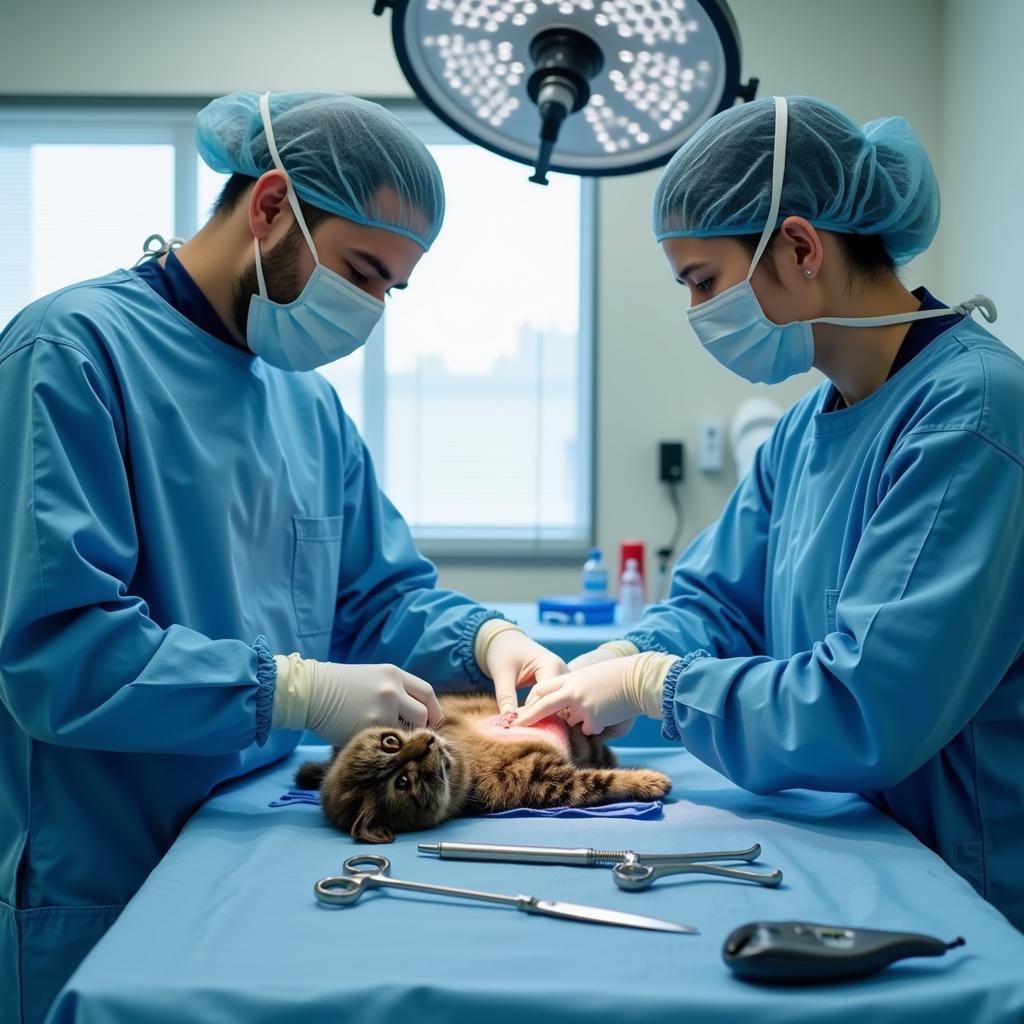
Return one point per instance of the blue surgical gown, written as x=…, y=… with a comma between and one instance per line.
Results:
x=853, y=620
x=165, y=501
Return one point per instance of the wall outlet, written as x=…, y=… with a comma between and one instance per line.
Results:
x=711, y=446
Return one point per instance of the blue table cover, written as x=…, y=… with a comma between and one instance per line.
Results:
x=226, y=927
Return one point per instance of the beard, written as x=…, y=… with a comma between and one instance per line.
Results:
x=279, y=273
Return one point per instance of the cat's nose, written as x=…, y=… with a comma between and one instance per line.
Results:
x=417, y=747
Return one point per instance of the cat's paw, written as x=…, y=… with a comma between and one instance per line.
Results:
x=311, y=773
x=649, y=785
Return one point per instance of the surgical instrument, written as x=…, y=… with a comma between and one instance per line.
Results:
x=631, y=871
x=371, y=870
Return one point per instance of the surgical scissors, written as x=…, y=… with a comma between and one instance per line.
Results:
x=368, y=871
x=631, y=871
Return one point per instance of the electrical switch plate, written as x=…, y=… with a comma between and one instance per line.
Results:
x=710, y=446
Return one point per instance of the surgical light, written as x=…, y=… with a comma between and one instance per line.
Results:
x=591, y=87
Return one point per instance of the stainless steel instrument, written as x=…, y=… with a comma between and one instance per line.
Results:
x=631, y=871
x=369, y=871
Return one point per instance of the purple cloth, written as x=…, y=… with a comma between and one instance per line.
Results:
x=641, y=811
x=297, y=796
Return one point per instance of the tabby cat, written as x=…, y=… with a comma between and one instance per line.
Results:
x=386, y=780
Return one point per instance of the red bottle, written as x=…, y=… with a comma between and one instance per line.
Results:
x=633, y=549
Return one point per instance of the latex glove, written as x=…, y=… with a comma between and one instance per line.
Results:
x=604, y=696
x=606, y=652
x=337, y=701
x=511, y=659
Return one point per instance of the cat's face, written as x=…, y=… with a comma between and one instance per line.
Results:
x=389, y=780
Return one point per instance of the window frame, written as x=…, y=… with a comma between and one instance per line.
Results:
x=171, y=121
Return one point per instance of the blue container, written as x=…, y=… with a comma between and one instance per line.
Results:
x=576, y=611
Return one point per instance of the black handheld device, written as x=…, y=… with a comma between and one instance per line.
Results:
x=798, y=952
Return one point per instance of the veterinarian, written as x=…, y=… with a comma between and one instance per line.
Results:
x=198, y=562
x=853, y=620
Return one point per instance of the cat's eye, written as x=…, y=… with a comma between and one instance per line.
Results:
x=402, y=782
x=390, y=742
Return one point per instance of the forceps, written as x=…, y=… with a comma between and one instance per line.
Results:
x=631, y=871
x=368, y=871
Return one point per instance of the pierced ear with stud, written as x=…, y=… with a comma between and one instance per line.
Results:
x=807, y=273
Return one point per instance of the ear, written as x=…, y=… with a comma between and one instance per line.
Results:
x=267, y=201
x=802, y=247
x=365, y=827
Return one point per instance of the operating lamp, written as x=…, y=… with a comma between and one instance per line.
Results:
x=591, y=87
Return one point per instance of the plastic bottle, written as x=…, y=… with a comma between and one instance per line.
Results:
x=594, y=581
x=631, y=593
x=633, y=549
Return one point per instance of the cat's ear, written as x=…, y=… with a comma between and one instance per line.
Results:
x=369, y=829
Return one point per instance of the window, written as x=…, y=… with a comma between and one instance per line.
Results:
x=474, y=394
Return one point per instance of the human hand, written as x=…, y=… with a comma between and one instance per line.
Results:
x=336, y=701
x=594, y=657
x=603, y=697
x=606, y=652
x=513, y=660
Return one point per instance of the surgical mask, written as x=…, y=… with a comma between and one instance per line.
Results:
x=735, y=330
x=330, y=319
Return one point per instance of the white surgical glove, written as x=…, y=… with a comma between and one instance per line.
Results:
x=337, y=701
x=511, y=659
x=605, y=696
x=606, y=652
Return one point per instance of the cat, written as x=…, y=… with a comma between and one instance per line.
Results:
x=387, y=780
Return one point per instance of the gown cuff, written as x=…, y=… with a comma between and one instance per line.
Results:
x=266, y=680
x=669, y=728
x=644, y=642
x=467, y=644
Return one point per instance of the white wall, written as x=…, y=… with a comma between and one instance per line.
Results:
x=194, y=47
x=983, y=153
x=871, y=58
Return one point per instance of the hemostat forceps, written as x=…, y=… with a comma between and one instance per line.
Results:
x=631, y=871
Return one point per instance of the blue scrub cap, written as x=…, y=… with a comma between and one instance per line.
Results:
x=338, y=150
x=875, y=180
